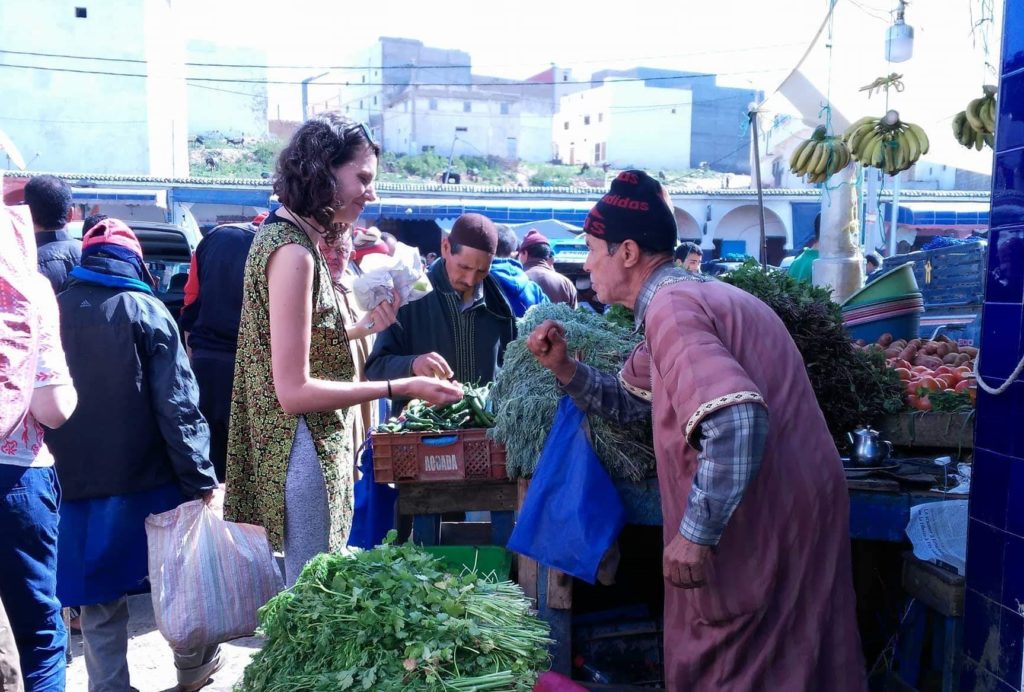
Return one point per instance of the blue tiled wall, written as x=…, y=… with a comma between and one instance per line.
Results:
x=993, y=624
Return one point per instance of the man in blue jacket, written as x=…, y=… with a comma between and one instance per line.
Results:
x=519, y=289
x=136, y=445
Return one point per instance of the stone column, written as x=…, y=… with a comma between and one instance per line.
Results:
x=840, y=264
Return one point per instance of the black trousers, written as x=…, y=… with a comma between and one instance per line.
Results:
x=215, y=373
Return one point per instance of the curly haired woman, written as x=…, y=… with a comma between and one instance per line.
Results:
x=289, y=462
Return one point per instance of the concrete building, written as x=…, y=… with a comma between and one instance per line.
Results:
x=95, y=122
x=417, y=98
x=233, y=110
x=718, y=137
x=608, y=124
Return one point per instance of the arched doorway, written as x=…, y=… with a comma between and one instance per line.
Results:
x=688, y=228
x=739, y=232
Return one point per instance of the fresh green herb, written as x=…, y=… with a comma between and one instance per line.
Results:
x=526, y=395
x=950, y=402
x=393, y=618
x=853, y=387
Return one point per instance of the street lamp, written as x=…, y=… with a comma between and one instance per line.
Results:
x=899, y=39
x=451, y=153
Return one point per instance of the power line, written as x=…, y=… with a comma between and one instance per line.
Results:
x=228, y=80
x=404, y=66
x=74, y=122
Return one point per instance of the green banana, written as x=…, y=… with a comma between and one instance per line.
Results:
x=972, y=115
x=921, y=137
x=795, y=157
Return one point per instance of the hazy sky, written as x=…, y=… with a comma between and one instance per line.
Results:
x=746, y=42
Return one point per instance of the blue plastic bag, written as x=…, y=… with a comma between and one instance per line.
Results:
x=374, y=512
x=572, y=513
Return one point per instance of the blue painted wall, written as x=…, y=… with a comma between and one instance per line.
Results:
x=993, y=625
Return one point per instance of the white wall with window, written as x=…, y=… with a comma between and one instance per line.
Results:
x=625, y=123
x=486, y=124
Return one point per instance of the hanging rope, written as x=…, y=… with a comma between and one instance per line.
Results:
x=996, y=391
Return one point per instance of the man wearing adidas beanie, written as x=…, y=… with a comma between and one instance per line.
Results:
x=756, y=563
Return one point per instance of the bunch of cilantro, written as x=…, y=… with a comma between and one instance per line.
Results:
x=393, y=618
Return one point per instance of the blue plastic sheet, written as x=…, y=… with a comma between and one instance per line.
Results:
x=374, y=512
x=572, y=513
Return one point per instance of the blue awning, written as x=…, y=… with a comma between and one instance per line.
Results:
x=940, y=213
x=510, y=211
x=99, y=195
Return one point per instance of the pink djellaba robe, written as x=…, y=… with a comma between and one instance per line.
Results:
x=778, y=610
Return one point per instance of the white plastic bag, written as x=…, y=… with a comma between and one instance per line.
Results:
x=386, y=276
x=208, y=576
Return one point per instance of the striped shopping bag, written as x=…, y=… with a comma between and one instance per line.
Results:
x=208, y=576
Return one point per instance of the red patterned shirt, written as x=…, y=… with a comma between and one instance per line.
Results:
x=24, y=446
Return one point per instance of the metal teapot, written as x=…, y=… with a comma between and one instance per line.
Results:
x=868, y=448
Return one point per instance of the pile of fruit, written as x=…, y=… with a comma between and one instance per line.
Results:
x=474, y=410
x=937, y=375
x=976, y=125
x=886, y=143
x=820, y=156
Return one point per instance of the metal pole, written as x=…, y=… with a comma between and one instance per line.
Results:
x=752, y=113
x=894, y=215
x=451, y=157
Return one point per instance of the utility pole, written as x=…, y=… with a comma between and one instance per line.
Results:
x=752, y=114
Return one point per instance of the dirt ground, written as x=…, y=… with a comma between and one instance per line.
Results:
x=149, y=658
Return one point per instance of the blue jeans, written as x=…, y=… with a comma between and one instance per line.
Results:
x=29, y=503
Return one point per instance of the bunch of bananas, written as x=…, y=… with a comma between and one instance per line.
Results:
x=886, y=143
x=820, y=156
x=976, y=126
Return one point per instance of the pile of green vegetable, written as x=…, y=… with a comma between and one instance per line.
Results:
x=853, y=387
x=393, y=618
x=525, y=395
x=472, y=411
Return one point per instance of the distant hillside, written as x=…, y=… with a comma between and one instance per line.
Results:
x=214, y=156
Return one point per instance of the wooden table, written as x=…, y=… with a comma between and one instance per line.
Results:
x=879, y=511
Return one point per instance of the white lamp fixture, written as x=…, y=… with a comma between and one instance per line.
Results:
x=899, y=38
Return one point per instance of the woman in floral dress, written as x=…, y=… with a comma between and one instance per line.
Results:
x=289, y=462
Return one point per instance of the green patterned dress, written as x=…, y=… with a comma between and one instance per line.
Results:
x=261, y=433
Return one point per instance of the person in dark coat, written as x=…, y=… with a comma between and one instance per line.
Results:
x=49, y=199
x=539, y=261
x=136, y=445
x=460, y=329
x=209, y=319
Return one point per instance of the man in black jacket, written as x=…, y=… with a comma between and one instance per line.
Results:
x=49, y=199
x=137, y=445
x=209, y=319
x=461, y=328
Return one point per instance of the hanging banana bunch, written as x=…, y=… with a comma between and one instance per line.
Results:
x=820, y=156
x=976, y=126
x=886, y=143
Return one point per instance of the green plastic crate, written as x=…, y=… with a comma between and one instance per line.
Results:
x=485, y=560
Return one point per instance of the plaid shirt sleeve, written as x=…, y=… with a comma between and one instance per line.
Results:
x=732, y=446
x=602, y=393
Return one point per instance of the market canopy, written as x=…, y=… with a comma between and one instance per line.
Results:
x=552, y=229
x=571, y=213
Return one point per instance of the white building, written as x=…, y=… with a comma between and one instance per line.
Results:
x=95, y=120
x=625, y=123
x=475, y=123
x=234, y=110
x=417, y=98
